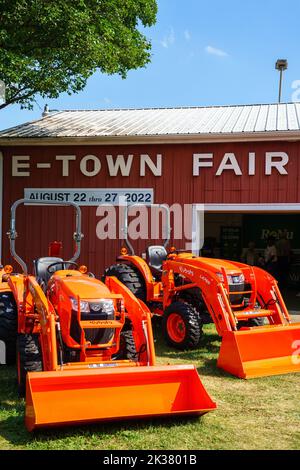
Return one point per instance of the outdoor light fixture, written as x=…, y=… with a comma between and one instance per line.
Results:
x=281, y=65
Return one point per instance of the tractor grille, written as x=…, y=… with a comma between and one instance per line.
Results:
x=98, y=336
x=236, y=299
x=93, y=335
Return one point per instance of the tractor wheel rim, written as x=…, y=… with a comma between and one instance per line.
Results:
x=176, y=328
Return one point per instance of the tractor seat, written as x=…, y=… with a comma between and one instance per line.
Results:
x=156, y=255
x=40, y=269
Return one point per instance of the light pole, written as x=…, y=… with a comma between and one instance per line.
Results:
x=281, y=65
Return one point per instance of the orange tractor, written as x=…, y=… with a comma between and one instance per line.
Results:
x=85, y=349
x=8, y=319
x=244, y=302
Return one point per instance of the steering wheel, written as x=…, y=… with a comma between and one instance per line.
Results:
x=63, y=266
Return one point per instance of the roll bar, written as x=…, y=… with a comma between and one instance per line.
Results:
x=167, y=227
x=12, y=234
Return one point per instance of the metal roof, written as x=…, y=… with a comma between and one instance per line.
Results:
x=197, y=122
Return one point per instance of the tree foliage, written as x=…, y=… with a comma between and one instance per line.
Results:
x=52, y=46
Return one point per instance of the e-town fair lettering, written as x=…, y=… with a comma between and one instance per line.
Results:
x=122, y=165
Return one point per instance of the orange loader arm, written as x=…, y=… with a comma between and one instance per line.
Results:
x=140, y=317
x=216, y=294
x=250, y=351
x=211, y=287
x=36, y=315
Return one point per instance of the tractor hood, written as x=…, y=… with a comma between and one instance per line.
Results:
x=218, y=264
x=214, y=265
x=76, y=284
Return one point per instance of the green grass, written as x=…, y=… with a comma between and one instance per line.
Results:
x=257, y=414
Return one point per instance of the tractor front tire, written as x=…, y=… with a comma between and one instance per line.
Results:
x=29, y=358
x=8, y=325
x=130, y=277
x=182, y=326
x=127, y=347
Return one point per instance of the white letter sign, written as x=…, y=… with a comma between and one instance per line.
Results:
x=18, y=164
x=200, y=161
x=278, y=164
x=229, y=162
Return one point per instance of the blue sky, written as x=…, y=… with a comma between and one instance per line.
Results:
x=204, y=53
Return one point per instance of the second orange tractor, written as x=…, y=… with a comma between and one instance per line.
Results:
x=244, y=302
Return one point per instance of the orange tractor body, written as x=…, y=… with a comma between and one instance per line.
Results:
x=244, y=303
x=86, y=350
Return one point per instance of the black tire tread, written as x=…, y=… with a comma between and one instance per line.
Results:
x=30, y=357
x=8, y=317
x=193, y=325
x=130, y=348
x=127, y=347
x=194, y=298
x=8, y=326
x=130, y=277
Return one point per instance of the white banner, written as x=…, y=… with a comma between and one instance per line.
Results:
x=91, y=197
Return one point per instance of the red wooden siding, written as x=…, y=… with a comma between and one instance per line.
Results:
x=37, y=227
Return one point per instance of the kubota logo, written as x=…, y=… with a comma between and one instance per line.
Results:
x=186, y=271
x=296, y=352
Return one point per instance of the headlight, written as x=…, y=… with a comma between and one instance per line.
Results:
x=220, y=276
x=84, y=305
x=236, y=279
x=103, y=306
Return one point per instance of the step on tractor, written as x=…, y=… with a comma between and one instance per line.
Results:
x=85, y=350
x=244, y=302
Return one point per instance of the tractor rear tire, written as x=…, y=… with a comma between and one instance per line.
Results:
x=130, y=277
x=29, y=358
x=182, y=326
x=8, y=325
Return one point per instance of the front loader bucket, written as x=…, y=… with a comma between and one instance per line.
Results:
x=261, y=351
x=110, y=393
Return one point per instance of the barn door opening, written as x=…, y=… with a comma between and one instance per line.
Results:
x=230, y=229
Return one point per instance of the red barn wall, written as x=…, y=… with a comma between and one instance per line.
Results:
x=38, y=226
